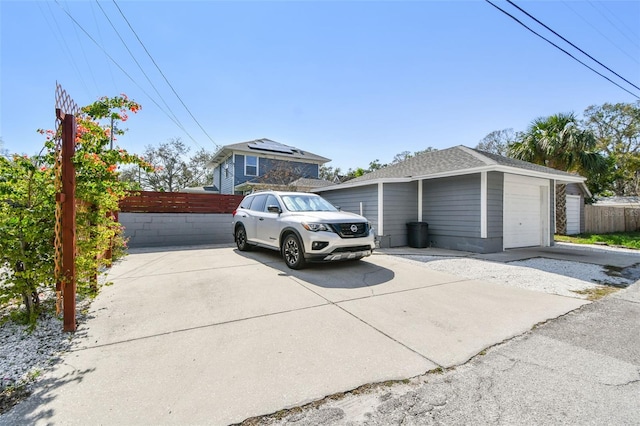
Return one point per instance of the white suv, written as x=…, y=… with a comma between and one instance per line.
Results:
x=303, y=227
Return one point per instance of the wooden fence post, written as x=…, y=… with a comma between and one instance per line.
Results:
x=69, y=222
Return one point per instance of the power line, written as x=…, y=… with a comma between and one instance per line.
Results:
x=63, y=42
x=567, y=4
x=121, y=69
x=614, y=25
x=140, y=66
x=95, y=20
x=571, y=44
x=86, y=60
x=561, y=49
x=163, y=76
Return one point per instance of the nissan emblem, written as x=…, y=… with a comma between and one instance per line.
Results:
x=354, y=228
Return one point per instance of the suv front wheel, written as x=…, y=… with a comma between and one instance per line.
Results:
x=292, y=252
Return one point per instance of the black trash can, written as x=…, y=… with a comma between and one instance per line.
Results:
x=418, y=234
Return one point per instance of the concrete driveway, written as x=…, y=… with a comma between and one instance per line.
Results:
x=209, y=335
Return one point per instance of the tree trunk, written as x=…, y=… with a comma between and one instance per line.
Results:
x=561, y=209
x=31, y=302
x=31, y=299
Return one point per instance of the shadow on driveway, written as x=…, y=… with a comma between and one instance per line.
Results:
x=342, y=274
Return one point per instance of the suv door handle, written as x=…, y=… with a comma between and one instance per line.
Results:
x=262, y=218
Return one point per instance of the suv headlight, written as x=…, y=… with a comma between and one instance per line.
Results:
x=315, y=227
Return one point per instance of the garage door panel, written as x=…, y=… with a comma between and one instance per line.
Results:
x=522, y=212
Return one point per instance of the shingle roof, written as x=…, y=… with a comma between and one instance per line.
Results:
x=267, y=147
x=519, y=164
x=311, y=183
x=458, y=158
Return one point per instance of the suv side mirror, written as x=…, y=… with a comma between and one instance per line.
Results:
x=274, y=209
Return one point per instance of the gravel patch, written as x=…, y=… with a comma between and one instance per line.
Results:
x=26, y=353
x=559, y=277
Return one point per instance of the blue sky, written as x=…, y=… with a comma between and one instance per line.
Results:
x=353, y=81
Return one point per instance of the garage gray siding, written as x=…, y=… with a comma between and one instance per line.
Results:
x=451, y=207
x=349, y=200
x=495, y=204
x=400, y=207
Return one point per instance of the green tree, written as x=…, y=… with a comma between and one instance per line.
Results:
x=617, y=131
x=405, y=155
x=201, y=175
x=558, y=142
x=171, y=172
x=329, y=173
x=401, y=156
x=497, y=142
x=27, y=215
x=172, y=169
x=375, y=165
x=27, y=206
x=427, y=149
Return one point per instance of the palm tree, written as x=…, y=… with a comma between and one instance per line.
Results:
x=557, y=141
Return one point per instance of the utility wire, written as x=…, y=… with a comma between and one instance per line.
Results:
x=561, y=49
x=634, y=42
x=571, y=44
x=165, y=77
x=596, y=29
x=84, y=55
x=95, y=20
x=121, y=69
x=140, y=67
x=63, y=42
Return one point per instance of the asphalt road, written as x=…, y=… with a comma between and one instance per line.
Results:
x=582, y=368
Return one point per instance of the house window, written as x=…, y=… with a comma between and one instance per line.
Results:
x=250, y=165
x=226, y=171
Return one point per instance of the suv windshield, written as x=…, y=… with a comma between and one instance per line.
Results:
x=307, y=203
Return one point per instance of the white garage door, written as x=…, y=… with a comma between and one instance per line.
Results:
x=573, y=214
x=525, y=211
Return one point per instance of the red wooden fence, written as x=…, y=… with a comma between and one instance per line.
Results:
x=179, y=202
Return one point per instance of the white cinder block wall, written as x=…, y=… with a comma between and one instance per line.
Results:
x=176, y=229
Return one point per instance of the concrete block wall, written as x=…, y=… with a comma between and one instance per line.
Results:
x=176, y=229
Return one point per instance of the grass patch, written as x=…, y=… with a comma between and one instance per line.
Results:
x=619, y=239
x=597, y=293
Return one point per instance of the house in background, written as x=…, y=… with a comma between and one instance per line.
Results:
x=242, y=167
x=471, y=200
x=281, y=182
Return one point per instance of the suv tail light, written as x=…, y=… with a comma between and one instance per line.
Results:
x=234, y=212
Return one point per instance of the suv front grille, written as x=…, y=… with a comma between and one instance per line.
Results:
x=344, y=229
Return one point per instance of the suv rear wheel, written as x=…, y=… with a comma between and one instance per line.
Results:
x=292, y=252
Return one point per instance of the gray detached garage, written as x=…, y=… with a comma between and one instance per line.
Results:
x=471, y=200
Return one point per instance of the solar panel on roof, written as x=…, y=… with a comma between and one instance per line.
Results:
x=267, y=145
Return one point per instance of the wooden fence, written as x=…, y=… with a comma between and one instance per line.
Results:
x=179, y=202
x=605, y=219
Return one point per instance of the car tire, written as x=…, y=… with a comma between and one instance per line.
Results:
x=241, y=239
x=292, y=252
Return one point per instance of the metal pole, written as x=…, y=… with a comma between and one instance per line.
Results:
x=111, y=134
